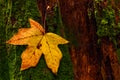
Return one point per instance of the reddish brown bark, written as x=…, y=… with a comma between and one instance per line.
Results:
x=110, y=60
x=84, y=51
x=81, y=32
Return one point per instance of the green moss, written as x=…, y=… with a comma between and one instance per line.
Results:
x=106, y=22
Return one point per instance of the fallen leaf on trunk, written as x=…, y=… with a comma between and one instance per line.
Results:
x=38, y=43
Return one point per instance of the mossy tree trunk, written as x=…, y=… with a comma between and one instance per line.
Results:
x=91, y=61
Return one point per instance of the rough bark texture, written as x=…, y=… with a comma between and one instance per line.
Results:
x=81, y=32
x=110, y=60
x=90, y=62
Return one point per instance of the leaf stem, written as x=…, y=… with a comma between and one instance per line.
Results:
x=44, y=13
x=44, y=20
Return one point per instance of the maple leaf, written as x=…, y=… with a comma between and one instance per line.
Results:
x=38, y=43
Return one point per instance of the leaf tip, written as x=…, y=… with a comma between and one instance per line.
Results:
x=55, y=72
x=30, y=19
x=67, y=41
x=23, y=68
x=34, y=23
x=8, y=42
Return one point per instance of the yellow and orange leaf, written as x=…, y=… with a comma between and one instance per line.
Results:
x=38, y=43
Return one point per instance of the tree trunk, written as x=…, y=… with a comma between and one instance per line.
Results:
x=110, y=60
x=90, y=62
x=81, y=32
x=108, y=50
